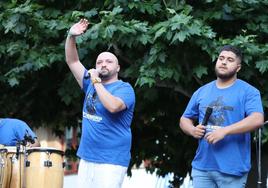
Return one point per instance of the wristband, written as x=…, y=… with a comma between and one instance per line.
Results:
x=96, y=80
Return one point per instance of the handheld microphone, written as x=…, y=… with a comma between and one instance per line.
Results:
x=207, y=115
x=88, y=74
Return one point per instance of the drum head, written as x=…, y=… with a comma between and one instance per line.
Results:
x=13, y=149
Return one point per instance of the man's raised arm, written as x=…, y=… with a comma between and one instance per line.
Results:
x=71, y=53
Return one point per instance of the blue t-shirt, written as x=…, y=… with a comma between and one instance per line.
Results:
x=106, y=137
x=13, y=130
x=230, y=155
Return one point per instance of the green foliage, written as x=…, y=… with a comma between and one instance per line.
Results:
x=166, y=49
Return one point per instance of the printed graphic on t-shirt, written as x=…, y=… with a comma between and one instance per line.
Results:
x=92, y=117
x=217, y=117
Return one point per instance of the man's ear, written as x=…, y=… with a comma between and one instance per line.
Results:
x=118, y=68
x=238, y=67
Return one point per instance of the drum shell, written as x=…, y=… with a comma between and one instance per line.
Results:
x=3, y=164
x=44, y=168
x=14, y=168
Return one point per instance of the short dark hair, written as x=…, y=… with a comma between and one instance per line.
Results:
x=233, y=49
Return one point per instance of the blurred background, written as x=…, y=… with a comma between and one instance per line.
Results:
x=166, y=50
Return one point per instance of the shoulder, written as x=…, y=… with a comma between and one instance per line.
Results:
x=14, y=122
x=205, y=87
x=122, y=84
x=245, y=85
x=123, y=90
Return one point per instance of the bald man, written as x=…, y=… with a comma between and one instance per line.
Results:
x=108, y=108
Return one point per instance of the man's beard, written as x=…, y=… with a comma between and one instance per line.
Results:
x=225, y=76
x=105, y=76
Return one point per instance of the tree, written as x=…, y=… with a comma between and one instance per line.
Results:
x=166, y=50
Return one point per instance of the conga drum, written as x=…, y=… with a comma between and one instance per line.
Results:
x=44, y=168
x=3, y=164
x=14, y=168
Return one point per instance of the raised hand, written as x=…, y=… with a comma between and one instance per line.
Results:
x=79, y=28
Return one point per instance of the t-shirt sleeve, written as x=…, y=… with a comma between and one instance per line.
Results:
x=253, y=102
x=192, y=109
x=126, y=93
x=23, y=129
x=86, y=81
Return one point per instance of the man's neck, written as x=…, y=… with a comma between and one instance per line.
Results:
x=109, y=81
x=224, y=83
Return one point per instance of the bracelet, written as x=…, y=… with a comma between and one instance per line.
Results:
x=96, y=80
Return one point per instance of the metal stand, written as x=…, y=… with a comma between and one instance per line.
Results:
x=258, y=157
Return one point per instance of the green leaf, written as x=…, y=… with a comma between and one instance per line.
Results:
x=91, y=13
x=117, y=10
x=181, y=36
x=13, y=81
x=109, y=31
x=145, y=81
x=262, y=66
x=165, y=73
x=77, y=14
x=171, y=11
x=200, y=71
x=144, y=39
x=160, y=32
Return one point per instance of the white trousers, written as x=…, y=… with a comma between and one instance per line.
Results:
x=98, y=175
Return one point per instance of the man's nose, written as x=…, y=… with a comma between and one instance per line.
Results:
x=224, y=61
x=103, y=64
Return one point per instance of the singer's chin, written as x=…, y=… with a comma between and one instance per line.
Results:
x=104, y=76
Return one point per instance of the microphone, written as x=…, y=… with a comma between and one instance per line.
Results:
x=88, y=74
x=207, y=115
